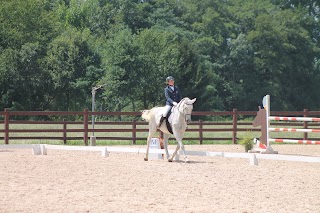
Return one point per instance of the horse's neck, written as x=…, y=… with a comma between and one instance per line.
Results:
x=177, y=116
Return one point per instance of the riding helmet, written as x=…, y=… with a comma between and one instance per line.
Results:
x=169, y=78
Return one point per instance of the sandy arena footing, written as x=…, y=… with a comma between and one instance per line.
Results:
x=80, y=181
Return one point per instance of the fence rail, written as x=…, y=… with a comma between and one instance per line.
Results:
x=200, y=126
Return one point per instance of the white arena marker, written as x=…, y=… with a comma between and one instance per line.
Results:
x=43, y=149
x=36, y=149
x=253, y=160
x=215, y=154
x=297, y=158
x=125, y=149
x=16, y=146
x=155, y=144
x=105, y=152
x=195, y=153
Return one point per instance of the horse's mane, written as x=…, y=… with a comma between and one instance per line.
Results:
x=182, y=100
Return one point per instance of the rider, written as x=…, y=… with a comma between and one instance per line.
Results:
x=173, y=97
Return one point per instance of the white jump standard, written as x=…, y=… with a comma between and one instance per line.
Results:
x=263, y=118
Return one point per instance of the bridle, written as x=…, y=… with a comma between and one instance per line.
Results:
x=178, y=107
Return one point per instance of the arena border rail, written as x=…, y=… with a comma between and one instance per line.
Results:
x=234, y=126
x=41, y=149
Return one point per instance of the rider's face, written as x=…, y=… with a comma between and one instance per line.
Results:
x=171, y=82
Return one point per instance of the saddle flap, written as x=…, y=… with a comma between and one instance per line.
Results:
x=169, y=127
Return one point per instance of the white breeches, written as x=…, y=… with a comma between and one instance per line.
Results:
x=167, y=108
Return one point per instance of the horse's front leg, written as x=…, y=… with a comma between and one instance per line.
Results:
x=165, y=141
x=174, y=153
x=179, y=137
x=183, y=151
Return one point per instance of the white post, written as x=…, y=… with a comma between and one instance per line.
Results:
x=266, y=105
x=36, y=149
x=105, y=152
x=43, y=149
x=253, y=161
x=268, y=115
x=92, y=137
x=93, y=92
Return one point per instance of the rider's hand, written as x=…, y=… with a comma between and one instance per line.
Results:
x=174, y=103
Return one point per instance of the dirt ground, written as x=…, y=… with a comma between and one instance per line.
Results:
x=79, y=181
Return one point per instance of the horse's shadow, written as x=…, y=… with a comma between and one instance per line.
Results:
x=189, y=162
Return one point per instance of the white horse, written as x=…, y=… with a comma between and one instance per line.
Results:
x=180, y=116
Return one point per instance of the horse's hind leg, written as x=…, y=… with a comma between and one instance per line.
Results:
x=148, y=145
x=152, y=130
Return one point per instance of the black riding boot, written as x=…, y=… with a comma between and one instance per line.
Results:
x=161, y=121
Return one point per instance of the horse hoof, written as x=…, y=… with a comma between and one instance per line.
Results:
x=145, y=159
x=169, y=160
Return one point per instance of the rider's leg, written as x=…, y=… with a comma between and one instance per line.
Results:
x=164, y=115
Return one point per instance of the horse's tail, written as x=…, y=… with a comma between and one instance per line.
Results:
x=146, y=115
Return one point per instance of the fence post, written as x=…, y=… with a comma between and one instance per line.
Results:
x=305, y=124
x=85, y=129
x=6, y=125
x=134, y=132
x=200, y=131
x=234, y=126
x=64, y=131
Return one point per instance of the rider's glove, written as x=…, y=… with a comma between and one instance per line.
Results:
x=174, y=103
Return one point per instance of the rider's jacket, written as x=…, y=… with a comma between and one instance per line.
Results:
x=172, y=95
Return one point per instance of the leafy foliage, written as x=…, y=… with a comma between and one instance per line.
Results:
x=228, y=54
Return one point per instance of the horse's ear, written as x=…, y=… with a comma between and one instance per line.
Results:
x=188, y=101
x=193, y=100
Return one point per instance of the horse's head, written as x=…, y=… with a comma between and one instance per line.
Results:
x=185, y=107
x=260, y=119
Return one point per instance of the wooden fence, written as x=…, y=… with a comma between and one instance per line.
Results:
x=199, y=126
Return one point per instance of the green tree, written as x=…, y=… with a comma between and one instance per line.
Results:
x=74, y=68
x=25, y=29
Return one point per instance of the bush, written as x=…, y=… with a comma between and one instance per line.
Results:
x=247, y=142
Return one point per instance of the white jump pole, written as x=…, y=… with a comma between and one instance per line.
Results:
x=266, y=104
x=294, y=141
x=293, y=130
x=293, y=119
